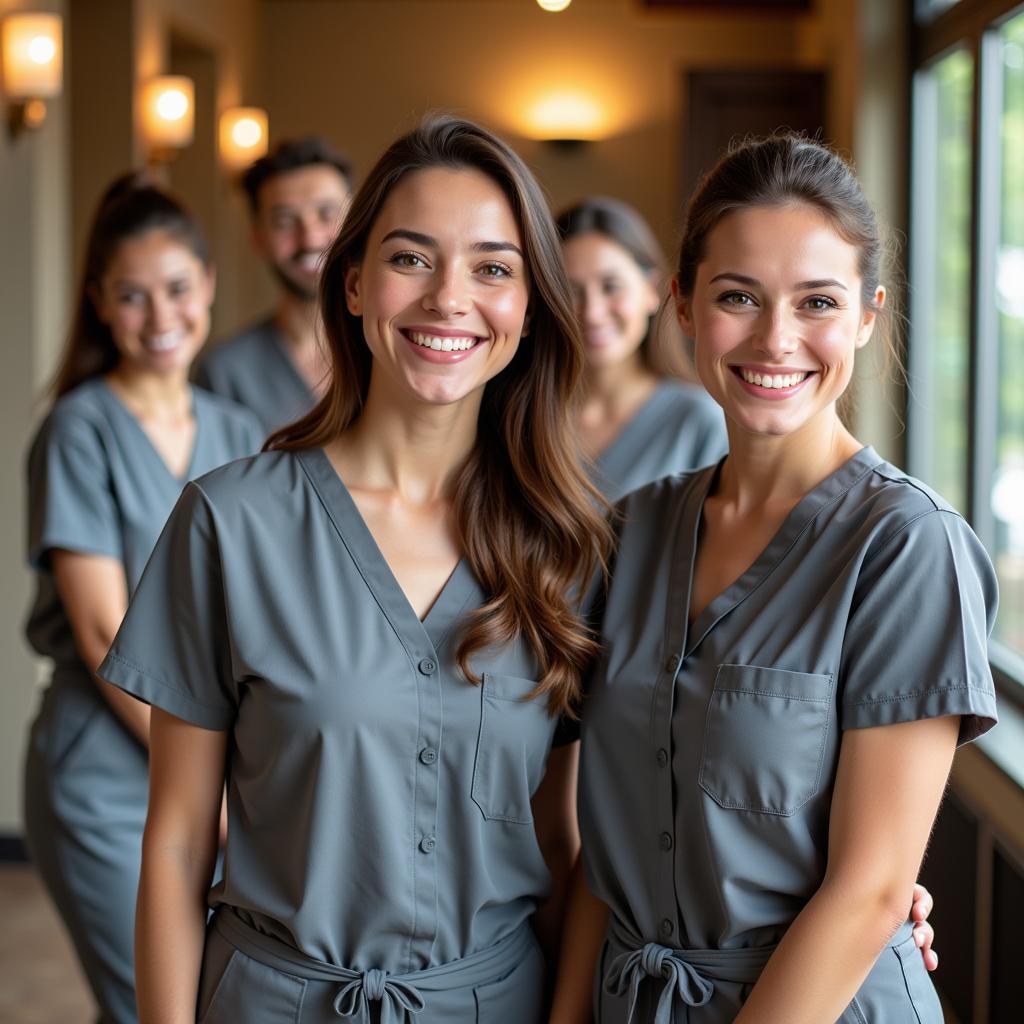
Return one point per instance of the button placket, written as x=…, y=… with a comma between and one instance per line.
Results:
x=430, y=680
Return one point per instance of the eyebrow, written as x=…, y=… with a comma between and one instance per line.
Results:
x=432, y=243
x=823, y=282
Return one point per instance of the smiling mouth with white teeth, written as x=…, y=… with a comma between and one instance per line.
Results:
x=441, y=344
x=163, y=342
x=311, y=261
x=773, y=381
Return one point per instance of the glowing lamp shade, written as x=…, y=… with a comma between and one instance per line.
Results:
x=566, y=116
x=168, y=112
x=553, y=5
x=243, y=136
x=33, y=56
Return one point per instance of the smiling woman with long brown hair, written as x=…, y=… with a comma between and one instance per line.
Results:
x=370, y=630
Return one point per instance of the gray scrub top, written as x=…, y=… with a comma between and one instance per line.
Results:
x=96, y=485
x=710, y=751
x=379, y=804
x=679, y=428
x=254, y=369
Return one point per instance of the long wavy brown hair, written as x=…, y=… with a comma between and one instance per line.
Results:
x=528, y=519
x=131, y=206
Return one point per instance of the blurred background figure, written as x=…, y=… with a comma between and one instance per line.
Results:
x=298, y=196
x=643, y=416
x=125, y=433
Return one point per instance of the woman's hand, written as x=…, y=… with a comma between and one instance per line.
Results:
x=924, y=934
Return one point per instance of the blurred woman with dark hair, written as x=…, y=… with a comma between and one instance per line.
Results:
x=370, y=631
x=643, y=416
x=125, y=432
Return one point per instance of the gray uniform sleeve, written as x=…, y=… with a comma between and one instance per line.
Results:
x=173, y=649
x=71, y=500
x=917, y=641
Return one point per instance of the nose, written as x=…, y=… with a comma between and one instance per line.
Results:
x=776, y=333
x=590, y=306
x=314, y=234
x=448, y=294
x=162, y=314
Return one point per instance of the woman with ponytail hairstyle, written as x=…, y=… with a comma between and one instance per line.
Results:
x=108, y=463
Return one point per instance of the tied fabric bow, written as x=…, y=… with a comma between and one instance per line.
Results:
x=397, y=998
x=627, y=970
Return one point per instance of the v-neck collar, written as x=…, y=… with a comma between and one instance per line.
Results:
x=122, y=410
x=687, y=638
x=355, y=534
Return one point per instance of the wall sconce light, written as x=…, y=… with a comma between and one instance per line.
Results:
x=553, y=5
x=243, y=136
x=567, y=120
x=168, y=116
x=33, y=66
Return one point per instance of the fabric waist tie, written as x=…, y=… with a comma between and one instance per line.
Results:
x=687, y=974
x=400, y=995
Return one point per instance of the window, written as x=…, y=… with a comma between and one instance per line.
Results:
x=1007, y=489
x=966, y=360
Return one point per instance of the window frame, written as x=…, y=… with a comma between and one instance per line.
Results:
x=973, y=25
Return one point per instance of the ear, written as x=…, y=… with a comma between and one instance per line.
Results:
x=870, y=318
x=684, y=309
x=353, y=292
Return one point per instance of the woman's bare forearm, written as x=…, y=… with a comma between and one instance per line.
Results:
x=582, y=939
x=170, y=928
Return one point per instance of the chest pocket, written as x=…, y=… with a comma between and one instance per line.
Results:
x=512, y=748
x=764, y=738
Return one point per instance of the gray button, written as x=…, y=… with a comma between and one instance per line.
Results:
x=427, y=844
x=672, y=663
x=428, y=755
x=665, y=841
x=427, y=666
x=662, y=757
x=666, y=927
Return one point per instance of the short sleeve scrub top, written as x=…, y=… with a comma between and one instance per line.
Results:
x=255, y=370
x=381, y=856
x=678, y=429
x=97, y=486
x=709, y=752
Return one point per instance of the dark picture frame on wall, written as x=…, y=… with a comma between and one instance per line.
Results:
x=751, y=6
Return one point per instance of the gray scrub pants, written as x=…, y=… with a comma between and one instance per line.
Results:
x=251, y=977
x=85, y=795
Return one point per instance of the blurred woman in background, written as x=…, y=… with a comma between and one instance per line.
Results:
x=643, y=417
x=125, y=432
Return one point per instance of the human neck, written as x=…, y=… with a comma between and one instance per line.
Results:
x=153, y=396
x=766, y=471
x=613, y=389
x=413, y=451
x=297, y=319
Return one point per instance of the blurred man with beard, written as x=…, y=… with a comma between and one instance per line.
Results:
x=298, y=195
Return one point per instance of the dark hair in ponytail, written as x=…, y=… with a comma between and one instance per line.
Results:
x=131, y=206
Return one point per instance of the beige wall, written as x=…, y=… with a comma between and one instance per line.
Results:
x=34, y=276
x=370, y=67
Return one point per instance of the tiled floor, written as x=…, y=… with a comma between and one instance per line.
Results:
x=40, y=982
